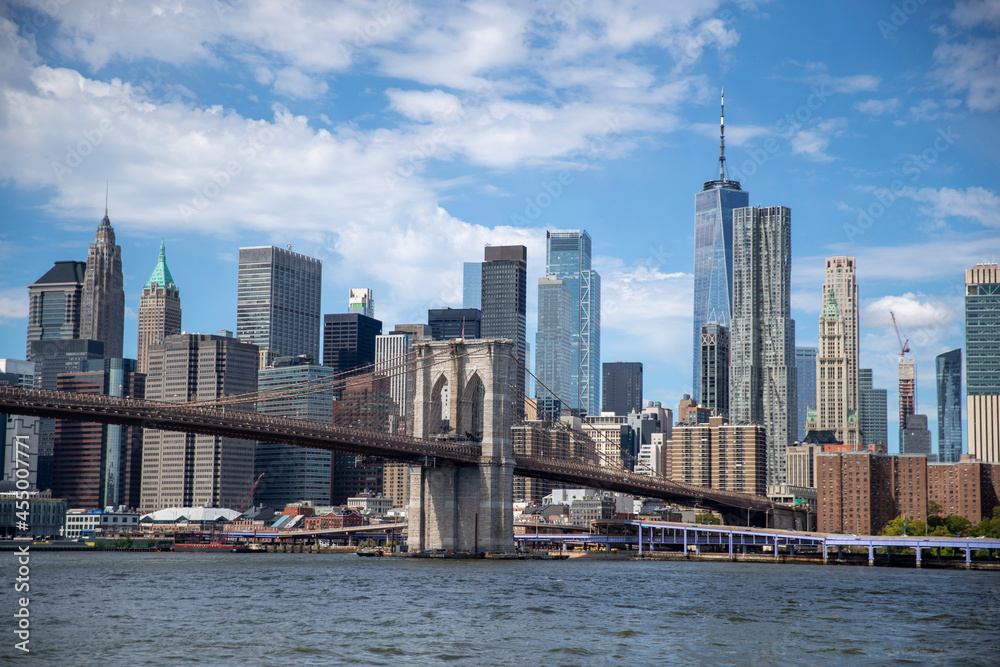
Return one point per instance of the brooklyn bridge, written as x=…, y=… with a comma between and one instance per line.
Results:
x=460, y=485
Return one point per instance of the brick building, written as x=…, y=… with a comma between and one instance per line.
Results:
x=860, y=492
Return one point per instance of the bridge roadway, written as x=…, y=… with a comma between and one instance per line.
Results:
x=235, y=423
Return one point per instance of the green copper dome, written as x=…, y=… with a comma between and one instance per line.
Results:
x=831, y=312
x=161, y=274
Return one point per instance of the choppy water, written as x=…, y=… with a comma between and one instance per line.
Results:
x=308, y=609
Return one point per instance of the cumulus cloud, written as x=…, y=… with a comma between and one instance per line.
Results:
x=974, y=203
x=878, y=107
x=13, y=304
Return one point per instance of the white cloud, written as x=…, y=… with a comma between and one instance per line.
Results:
x=877, y=107
x=813, y=142
x=292, y=82
x=13, y=304
x=974, y=203
x=971, y=68
x=972, y=13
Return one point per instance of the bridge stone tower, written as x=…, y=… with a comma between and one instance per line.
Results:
x=458, y=507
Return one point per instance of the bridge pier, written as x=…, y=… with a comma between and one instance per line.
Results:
x=456, y=507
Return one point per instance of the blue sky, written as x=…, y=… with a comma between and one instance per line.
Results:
x=394, y=139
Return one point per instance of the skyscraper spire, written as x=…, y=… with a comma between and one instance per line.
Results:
x=106, y=220
x=722, y=136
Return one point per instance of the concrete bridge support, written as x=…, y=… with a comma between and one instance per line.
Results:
x=458, y=507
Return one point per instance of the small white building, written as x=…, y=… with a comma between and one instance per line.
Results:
x=97, y=523
x=370, y=504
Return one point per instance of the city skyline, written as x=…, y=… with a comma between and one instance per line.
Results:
x=900, y=108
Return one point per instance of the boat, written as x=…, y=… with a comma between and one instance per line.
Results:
x=210, y=547
x=368, y=552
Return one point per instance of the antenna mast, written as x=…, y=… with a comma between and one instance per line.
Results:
x=722, y=135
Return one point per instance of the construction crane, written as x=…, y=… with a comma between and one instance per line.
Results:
x=904, y=346
x=249, y=497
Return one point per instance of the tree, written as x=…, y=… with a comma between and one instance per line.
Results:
x=707, y=518
x=897, y=525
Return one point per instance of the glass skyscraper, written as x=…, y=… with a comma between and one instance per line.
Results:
x=713, y=255
x=472, y=285
x=873, y=410
x=805, y=386
x=505, y=304
x=949, y=406
x=553, y=340
x=278, y=301
x=567, y=258
x=982, y=360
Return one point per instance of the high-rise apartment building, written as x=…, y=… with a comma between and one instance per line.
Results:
x=56, y=303
x=291, y=473
x=349, y=342
x=159, y=310
x=805, y=387
x=505, y=302
x=714, y=374
x=718, y=455
x=949, y=405
x=713, y=253
x=982, y=360
x=553, y=342
x=622, y=387
x=99, y=465
x=449, y=323
x=907, y=392
x=472, y=285
x=278, y=301
x=16, y=429
x=190, y=469
x=103, y=311
x=762, y=337
x=837, y=360
x=361, y=301
x=873, y=409
x=567, y=258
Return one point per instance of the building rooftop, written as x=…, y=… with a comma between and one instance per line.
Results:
x=66, y=271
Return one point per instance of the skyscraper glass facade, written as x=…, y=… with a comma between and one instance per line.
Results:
x=278, y=301
x=949, y=406
x=713, y=261
x=553, y=340
x=873, y=410
x=805, y=387
x=982, y=360
x=567, y=257
x=505, y=304
x=472, y=285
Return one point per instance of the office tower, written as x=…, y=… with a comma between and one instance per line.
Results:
x=714, y=372
x=361, y=301
x=365, y=403
x=278, y=301
x=836, y=370
x=622, y=386
x=291, y=473
x=762, y=337
x=103, y=308
x=417, y=332
x=874, y=410
x=949, y=406
x=450, y=323
x=52, y=357
x=99, y=465
x=392, y=357
x=553, y=343
x=472, y=285
x=189, y=469
x=567, y=258
x=56, y=303
x=805, y=387
x=349, y=342
x=801, y=464
x=718, y=455
x=159, y=310
x=18, y=428
x=916, y=438
x=907, y=392
x=505, y=303
x=713, y=253
x=982, y=360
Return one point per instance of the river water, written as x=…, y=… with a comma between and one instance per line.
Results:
x=115, y=608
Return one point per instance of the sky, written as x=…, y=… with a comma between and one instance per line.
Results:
x=394, y=139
